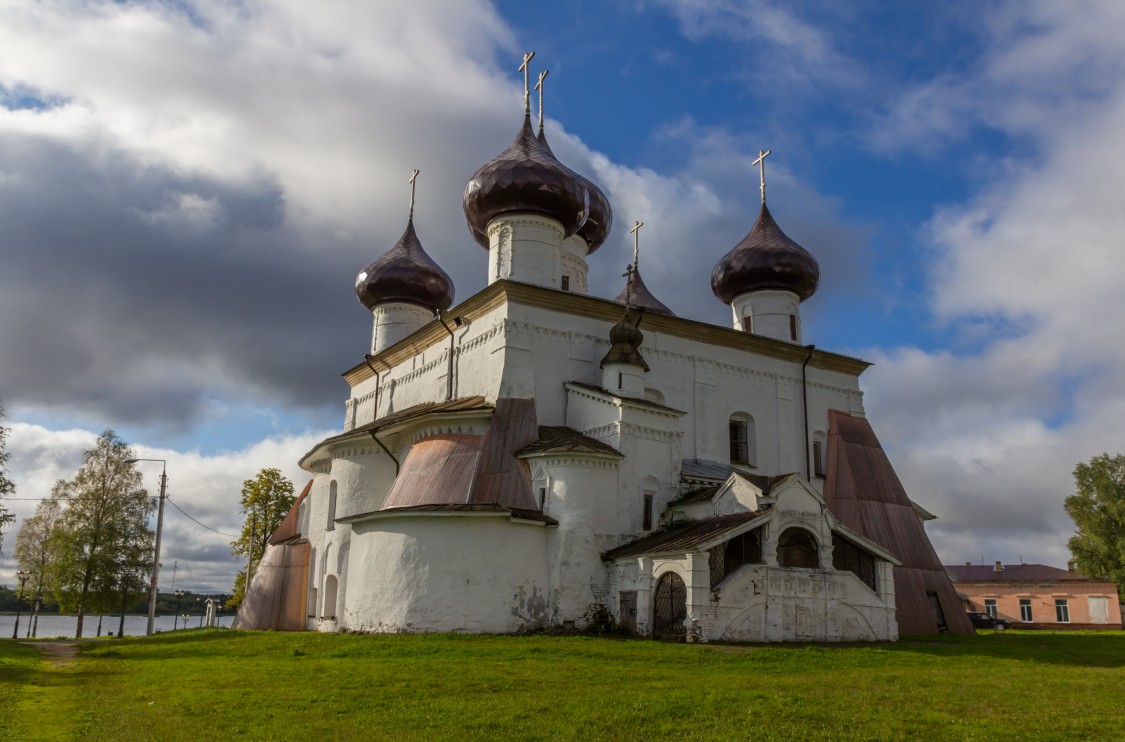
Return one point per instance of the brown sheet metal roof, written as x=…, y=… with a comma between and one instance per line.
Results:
x=531, y=515
x=682, y=538
x=500, y=476
x=697, y=495
x=635, y=400
x=437, y=471
x=277, y=592
x=566, y=440
x=287, y=529
x=1014, y=573
x=864, y=493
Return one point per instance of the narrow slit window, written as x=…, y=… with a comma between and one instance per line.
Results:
x=793, y=327
x=647, y=517
x=566, y=283
x=818, y=458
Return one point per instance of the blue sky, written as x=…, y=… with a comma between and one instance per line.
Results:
x=188, y=189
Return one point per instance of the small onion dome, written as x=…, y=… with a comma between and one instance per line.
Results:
x=525, y=178
x=641, y=297
x=765, y=259
x=405, y=273
x=624, y=341
x=600, y=220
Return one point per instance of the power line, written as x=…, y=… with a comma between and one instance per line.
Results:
x=209, y=528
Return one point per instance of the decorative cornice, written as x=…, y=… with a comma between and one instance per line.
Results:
x=575, y=459
x=582, y=305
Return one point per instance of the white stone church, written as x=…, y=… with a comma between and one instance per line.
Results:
x=536, y=458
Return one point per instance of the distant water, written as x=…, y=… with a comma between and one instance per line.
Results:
x=64, y=626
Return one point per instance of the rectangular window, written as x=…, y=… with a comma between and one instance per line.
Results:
x=793, y=327
x=1062, y=610
x=566, y=283
x=739, y=451
x=818, y=459
x=990, y=606
x=647, y=522
x=1025, y=610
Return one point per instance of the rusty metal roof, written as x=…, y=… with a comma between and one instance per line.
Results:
x=287, y=529
x=864, y=493
x=559, y=439
x=697, y=495
x=701, y=469
x=1015, y=573
x=682, y=538
x=438, y=470
x=532, y=515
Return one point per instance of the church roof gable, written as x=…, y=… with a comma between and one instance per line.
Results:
x=561, y=439
x=686, y=537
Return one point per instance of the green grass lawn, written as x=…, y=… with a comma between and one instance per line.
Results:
x=222, y=684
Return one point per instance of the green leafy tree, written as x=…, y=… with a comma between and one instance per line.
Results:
x=7, y=486
x=35, y=547
x=1098, y=509
x=266, y=499
x=102, y=530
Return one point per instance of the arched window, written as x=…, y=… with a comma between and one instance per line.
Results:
x=669, y=605
x=796, y=547
x=654, y=395
x=743, y=440
x=331, y=506
x=329, y=610
x=726, y=558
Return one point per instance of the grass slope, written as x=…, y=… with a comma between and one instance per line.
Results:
x=228, y=684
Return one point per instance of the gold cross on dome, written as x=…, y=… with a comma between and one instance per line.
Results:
x=525, y=69
x=413, y=180
x=539, y=87
x=761, y=163
x=636, y=232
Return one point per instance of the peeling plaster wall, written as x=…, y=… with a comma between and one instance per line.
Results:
x=470, y=574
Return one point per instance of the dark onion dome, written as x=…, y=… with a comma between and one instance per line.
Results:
x=525, y=178
x=600, y=219
x=405, y=273
x=641, y=297
x=624, y=343
x=765, y=259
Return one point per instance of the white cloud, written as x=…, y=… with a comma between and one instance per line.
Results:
x=207, y=487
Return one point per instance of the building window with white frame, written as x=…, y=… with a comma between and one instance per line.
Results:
x=1025, y=610
x=1062, y=610
x=990, y=606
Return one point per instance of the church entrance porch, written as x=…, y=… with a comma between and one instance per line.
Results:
x=669, y=606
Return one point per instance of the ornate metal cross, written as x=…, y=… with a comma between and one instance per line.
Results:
x=761, y=163
x=524, y=68
x=413, y=180
x=539, y=87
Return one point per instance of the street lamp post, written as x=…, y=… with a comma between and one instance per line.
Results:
x=22, y=576
x=156, y=551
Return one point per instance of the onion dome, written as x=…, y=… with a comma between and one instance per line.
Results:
x=640, y=297
x=525, y=178
x=765, y=259
x=600, y=219
x=624, y=340
x=405, y=273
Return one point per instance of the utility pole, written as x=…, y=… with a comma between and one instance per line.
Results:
x=156, y=551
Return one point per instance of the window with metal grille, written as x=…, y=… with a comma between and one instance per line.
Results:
x=990, y=606
x=739, y=453
x=1062, y=610
x=848, y=557
x=1025, y=610
x=726, y=558
x=796, y=547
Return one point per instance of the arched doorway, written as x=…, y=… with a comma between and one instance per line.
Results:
x=796, y=547
x=669, y=605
